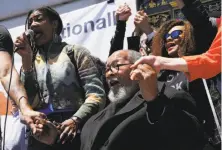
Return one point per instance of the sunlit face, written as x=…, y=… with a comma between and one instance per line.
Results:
x=42, y=27
x=173, y=40
x=118, y=77
x=120, y=68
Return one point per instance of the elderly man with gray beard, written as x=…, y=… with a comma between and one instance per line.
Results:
x=144, y=114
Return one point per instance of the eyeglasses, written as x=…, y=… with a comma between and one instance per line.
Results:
x=174, y=35
x=115, y=69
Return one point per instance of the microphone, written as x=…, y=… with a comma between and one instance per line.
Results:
x=30, y=35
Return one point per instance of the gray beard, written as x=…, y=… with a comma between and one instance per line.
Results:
x=119, y=92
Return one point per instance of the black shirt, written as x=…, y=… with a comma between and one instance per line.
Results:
x=174, y=79
x=6, y=43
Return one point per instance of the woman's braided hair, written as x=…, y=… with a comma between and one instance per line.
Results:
x=52, y=15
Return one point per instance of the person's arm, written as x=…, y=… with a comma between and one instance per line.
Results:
x=27, y=72
x=7, y=71
x=141, y=22
x=195, y=12
x=17, y=91
x=10, y=79
x=118, y=39
x=161, y=63
x=142, y=26
x=29, y=81
x=146, y=76
x=91, y=83
x=122, y=15
x=208, y=64
x=205, y=65
x=197, y=15
x=134, y=43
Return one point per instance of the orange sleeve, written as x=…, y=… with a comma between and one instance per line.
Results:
x=207, y=64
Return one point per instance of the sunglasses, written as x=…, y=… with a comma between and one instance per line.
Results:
x=174, y=35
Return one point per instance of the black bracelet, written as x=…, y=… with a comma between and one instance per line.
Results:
x=76, y=124
x=20, y=100
x=77, y=121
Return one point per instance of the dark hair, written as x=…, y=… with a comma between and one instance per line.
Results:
x=53, y=16
x=50, y=13
x=188, y=44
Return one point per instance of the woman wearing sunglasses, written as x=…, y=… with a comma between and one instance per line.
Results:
x=174, y=39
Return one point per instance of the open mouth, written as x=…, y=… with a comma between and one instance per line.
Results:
x=38, y=35
x=113, y=82
x=170, y=46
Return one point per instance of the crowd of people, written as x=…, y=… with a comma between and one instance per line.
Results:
x=148, y=97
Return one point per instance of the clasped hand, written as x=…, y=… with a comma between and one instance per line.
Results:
x=65, y=130
x=147, y=78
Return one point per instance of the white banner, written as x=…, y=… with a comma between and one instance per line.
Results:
x=92, y=27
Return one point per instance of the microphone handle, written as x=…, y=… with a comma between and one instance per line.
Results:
x=18, y=48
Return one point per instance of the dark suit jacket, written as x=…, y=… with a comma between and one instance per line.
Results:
x=167, y=123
